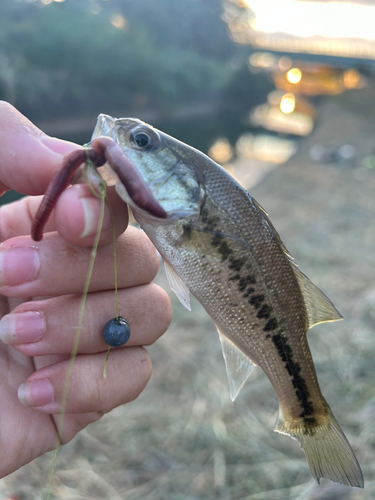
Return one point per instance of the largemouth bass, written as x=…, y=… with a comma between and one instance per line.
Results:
x=218, y=243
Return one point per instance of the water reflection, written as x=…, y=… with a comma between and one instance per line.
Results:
x=308, y=49
x=265, y=147
x=221, y=151
x=313, y=78
x=294, y=75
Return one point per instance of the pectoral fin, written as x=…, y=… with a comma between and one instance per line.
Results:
x=177, y=285
x=237, y=364
x=319, y=308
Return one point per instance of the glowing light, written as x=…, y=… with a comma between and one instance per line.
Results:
x=312, y=18
x=294, y=75
x=46, y=2
x=265, y=148
x=59, y=1
x=318, y=79
x=241, y=3
x=221, y=151
x=288, y=103
x=272, y=118
x=118, y=21
x=262, y=60
x=352, y=79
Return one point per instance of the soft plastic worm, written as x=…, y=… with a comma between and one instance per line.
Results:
x=100, y=151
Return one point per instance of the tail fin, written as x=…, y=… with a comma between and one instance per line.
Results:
x=327, y=450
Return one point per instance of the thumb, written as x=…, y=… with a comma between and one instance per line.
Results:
x=28, y=157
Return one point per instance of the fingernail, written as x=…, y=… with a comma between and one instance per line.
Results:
x=22, y=328
x=36, y=393
x=18, y=265
x=90, y=223
x=91, y=216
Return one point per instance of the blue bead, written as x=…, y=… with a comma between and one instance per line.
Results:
x=116, y=332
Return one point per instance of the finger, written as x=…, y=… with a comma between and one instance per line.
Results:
x=128, y=371
x=53, y=267
x=28, y=158
x=16, y=218
x=76, y=216
x=49, y=326
x=73, y=423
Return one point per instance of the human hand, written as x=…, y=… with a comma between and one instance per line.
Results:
x=41, y=285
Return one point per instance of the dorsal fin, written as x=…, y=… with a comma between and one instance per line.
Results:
x=238, y=365
x=177, y=285
x=263, y=215
x=319, y=308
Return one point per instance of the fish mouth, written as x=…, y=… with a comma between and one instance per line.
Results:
x=130, y=185
x=135, y=187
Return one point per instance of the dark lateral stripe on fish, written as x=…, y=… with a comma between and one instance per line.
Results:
x=216, y=240
x=236, y=264
x=256, y=300
x=224, y=250
x=245, y=281
x=264, y=311
x=210, y=223
x=249, y=291
x=286, y=354
x=187, y=231
x=309, y=426
x=204, y=211
x=271, y=324
x=235, y=277
x=242, y=285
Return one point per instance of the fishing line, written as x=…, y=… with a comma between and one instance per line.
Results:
x=115, y=269
x=103, y=197
x=113, y=225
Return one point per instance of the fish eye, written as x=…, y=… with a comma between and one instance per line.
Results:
x=143, y=139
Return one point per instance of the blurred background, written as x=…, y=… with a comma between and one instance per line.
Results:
x=280, y=92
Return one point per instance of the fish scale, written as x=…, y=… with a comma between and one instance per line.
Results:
x=245, y=328
x=219, y=244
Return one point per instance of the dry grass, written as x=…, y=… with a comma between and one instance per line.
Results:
x=183, y=439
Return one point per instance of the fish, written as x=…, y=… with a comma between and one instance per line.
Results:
x=219, y=245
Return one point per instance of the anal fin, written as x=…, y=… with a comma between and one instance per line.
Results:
x=237, y=364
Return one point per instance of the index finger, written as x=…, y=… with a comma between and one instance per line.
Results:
x=28, y=161
x=28, y=157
